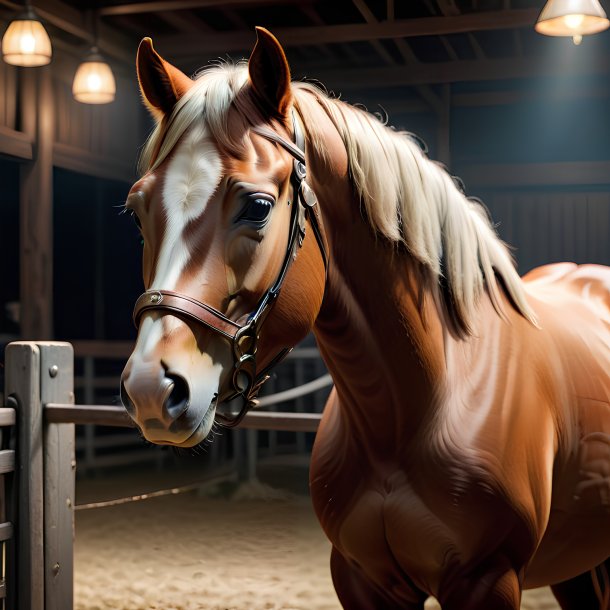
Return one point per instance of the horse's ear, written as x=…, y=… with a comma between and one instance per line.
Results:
x=270, y=74
x=161, y=84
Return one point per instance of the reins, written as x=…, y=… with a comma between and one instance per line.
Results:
x=246, y=380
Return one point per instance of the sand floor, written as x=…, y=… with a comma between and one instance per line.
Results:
x=203, y=551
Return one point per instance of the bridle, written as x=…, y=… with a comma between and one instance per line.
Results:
x=246, y=381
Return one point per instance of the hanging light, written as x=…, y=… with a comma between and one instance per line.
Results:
x=26, y=42
x=94, y=81
x=575, y=18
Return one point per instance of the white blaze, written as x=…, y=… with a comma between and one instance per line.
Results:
x=192, y=176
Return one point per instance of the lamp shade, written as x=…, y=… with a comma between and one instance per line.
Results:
x=94, y=81
x=26, y=42
x=574, y=18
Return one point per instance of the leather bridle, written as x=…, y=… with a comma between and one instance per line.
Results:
x=246, y=380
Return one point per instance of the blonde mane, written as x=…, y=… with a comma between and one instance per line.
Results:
x=408, y=199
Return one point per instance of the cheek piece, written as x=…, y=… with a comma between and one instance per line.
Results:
x=246, y=380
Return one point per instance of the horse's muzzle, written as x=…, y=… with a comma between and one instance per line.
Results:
x=159, y=403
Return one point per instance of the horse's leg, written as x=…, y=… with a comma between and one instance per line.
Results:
x=588, y=591
x=492, y=587
x=355, y=593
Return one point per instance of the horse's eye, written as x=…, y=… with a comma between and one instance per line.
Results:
x=256, y=210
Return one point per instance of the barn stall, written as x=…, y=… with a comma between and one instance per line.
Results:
x=520, y=117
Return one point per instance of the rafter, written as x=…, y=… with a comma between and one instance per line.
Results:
x=180, y=5
x=456, y=71
x=404, y=28
x=185, y=21
x=406, y=52
x=369, y=17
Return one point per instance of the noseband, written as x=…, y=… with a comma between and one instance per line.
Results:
x=246, y=380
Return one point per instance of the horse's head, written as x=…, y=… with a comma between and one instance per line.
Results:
x=234, y=257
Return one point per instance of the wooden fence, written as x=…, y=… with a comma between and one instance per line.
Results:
x=96, y=379
x=37, y=558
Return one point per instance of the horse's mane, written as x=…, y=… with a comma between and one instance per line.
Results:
x=408, y=199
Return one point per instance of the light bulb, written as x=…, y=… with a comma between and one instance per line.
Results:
x=577, y=39
x=573, y=21
x=94, y=82
x=27, y=44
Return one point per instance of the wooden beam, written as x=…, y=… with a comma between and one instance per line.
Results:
x=15, y=144
x=85, y=162
x=457, y=71
x=448, y=7
x=575, y=173
x=36, y=207
x=177, y=46
x=406, y=53
x=186, y=21
x=180, y=5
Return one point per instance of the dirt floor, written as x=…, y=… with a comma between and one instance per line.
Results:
x=221, y=547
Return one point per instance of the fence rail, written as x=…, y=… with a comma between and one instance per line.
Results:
x=40, y=391
x=105, y=415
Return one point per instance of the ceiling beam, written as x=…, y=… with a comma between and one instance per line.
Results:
x=458, y=71
x=403, y=28
x=180, y=5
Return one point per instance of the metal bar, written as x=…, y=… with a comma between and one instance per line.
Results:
x=106, y=415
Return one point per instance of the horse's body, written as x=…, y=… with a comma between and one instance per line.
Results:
x=464, y=451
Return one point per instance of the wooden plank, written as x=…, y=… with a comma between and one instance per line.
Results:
x=15, y=144
x=78, y=159
x=536, y=174
x=6, y=531
x=7, y=461
x=458, y=71
x=23, y=383
x=101, y=415
x=7, y=417
x=36, y=207
x=176, y=45
x=107, y=415
x=56, y=385
x=181, y=5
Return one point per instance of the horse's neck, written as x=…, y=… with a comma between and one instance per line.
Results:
x=383, y=345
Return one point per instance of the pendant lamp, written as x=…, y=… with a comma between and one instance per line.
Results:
x=575, y=18
x=26, y=42
x=94, y=81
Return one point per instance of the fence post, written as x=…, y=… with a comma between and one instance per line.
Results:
x=57, y=385
x=23, y=384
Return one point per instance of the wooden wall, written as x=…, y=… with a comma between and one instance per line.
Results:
x=100, y=141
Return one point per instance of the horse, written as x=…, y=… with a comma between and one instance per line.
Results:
x=464, y=451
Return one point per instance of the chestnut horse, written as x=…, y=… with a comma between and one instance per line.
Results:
x=464, y=452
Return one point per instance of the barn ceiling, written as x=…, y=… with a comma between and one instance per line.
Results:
x=403, y=49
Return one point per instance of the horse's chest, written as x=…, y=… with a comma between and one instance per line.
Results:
x=386, y=530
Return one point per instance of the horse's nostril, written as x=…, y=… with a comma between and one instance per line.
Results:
x=126, y=400
x=178, y=400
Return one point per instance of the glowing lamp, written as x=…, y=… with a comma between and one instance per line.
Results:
x=26, y=42
x=575, y=18
x=94, y=81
